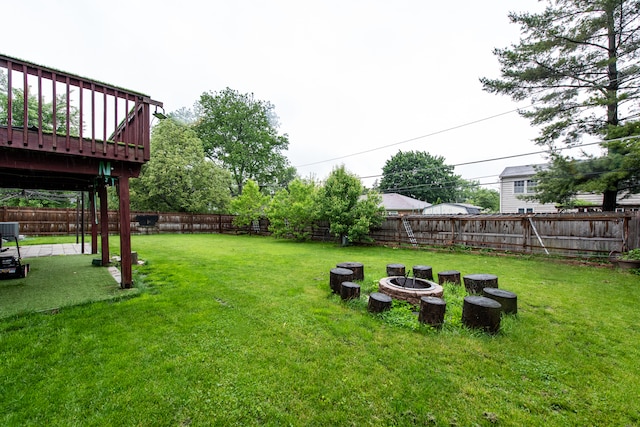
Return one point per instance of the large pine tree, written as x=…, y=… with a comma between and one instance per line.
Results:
x=577, y=61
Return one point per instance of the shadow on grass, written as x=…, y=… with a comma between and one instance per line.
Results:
x=56, y=282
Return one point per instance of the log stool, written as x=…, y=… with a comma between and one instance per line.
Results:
x=508, y=300
x=481, y=313
x=476, y=282
x=379, y=302
x=349, y=290
x=432, y=311
x=337, y=276
x=423, y=272
x=356, y=267
x=451, y=276
x=395, y=270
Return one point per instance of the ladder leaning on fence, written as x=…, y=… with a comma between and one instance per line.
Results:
x=407, y=227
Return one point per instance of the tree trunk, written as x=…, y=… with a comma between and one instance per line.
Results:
x=349, y=290
x=379, y=302
x=432, y=310
x=481, y=313
x=508, y=300
x=337, y=276
x=356, y=267
x=474, y=283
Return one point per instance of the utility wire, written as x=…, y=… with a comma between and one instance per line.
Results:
x=414, y=139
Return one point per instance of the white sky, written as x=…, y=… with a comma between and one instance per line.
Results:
x=345, y=76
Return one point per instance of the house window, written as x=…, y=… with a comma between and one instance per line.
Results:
x=522, y=210
x=531, y=185
x=518, y=187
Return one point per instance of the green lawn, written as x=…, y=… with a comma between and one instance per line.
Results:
x=56, y=282
x=240, y=330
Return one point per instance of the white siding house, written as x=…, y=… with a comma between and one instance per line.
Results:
x=517, y=181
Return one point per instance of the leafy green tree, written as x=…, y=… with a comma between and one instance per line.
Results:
x=17, y=110
x=577, y=61
x=420, y=175
x=240, y=132
x=485, y=198
x=292, y=211
x=178, y=177
x=249, y=206
x=38, y=198
x=350, y=212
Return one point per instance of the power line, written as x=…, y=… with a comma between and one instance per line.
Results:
x=632, y=66
x=414, y=139
x=513, y=156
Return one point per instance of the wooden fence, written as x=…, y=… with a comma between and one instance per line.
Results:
x=575, y=235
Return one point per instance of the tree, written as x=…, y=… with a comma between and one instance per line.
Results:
x=178, y=177
x=249, y=206
x=38, y=198
x=351, y=214
x=240, y=132
x=577, y=62
x=485, y=198
x=292, y=211
x=420, y=175
x=618, y=171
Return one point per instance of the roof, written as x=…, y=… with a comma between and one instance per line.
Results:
x=471, y=209
x=398, y=202
x=524, y=170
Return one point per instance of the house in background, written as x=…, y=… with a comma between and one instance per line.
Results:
x=397, y=204
x=518, y=181
x=452, y=209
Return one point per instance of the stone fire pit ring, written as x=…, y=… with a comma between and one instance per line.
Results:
x=413, y=288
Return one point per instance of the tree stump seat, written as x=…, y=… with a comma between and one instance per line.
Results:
x=476, y=282
x=432, y=310
x=379, y=302
x=395, y=270
x=349, y=290
x=356, y=267
x=481, y=313
x=508, y=300
x=423, y=272
x=451, y=276
x=337, y=276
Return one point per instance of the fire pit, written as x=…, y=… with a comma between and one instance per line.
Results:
x=409, y=289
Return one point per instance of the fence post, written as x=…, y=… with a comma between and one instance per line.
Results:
x=526, y=235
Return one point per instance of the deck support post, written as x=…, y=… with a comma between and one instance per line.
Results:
x=104, y=223
x=93, y=218
x=125, y=232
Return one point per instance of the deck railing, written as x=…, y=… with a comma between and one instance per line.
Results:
x=49, y=110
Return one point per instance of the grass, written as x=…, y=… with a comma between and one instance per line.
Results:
x=49, y=240
x=76, y=282
x=239, y=330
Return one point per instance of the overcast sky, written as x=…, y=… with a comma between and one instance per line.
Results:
x=352, y=81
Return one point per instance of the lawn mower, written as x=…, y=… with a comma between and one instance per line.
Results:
x=11, y=266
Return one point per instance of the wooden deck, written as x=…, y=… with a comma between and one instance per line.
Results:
x=60, y=131
x=91, y=119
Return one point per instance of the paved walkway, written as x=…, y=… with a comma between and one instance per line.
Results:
x=33, y=251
